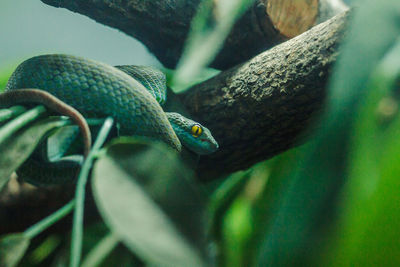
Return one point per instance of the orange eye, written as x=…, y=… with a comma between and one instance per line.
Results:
x=196, y=130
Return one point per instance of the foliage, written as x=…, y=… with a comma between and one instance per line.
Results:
x=330, y=202
x=137, y=185
x=3, y=79
x=210, y=27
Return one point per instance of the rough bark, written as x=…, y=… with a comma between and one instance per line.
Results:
x=258, y=109
x=162, y=26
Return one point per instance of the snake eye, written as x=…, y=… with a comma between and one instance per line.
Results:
x=196, y=130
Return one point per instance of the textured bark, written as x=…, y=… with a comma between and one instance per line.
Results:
x=257, y=110
x=162, y=25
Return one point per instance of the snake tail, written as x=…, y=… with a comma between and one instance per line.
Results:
x=29, y=96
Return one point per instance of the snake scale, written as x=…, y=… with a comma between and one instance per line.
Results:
x=132, y=95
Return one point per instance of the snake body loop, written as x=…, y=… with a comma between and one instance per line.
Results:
x=80, y=88
x=97, y=90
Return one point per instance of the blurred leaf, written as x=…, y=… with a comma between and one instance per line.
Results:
x=8, y=113
x=93, y=234
x=15, y=150
x=101, y=250
x=223, y=197
x=209, y=29
x=246, y=220
x=238, y=227
x=145, y=195
x=370, y=216
x=202, y=76
x=12, y=249
x=4, y=75
x=276, y=174
x=44, y=250
x=320, y=170
x=14, y=125
x=238, y=220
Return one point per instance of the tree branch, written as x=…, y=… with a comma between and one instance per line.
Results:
x=254, y=110
x=162, y=26
x=257, y=110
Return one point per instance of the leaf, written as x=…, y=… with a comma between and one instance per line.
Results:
x=80, y=192
x=15, y=150
x=223, y=197
x=238, y=227
x=370, y=214
x=101, y=250
x=12, y=249
x=4, y=75
x=203, y=75
x=45, y=250
x=321, y=167
x=8, y=113
x=146, y=197
x=209, y=29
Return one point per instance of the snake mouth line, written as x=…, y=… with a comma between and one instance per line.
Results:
x=211, y=143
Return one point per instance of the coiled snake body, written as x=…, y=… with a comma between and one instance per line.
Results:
x=131, y=95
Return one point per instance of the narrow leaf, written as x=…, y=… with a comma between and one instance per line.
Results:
x=12, y=249
x=13, y=126
x=8, y=113
x=14, y=151
x=210, y=27
x=77, y=229
x=101, y=251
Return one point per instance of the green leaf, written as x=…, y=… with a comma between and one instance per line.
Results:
x=4, y=75
x=146, y=196
x=101, y=250
x=370, y=214
x=77, y=227
x=209, y=29
x=12, y=249
x=8, y=113
x=238, y=227
x=15, y=150
x=45, y=223
x=321, y=167
x=45, y=250
x=223, y=197
x=203, y=75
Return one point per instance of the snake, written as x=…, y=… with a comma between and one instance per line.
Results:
x=83, y=88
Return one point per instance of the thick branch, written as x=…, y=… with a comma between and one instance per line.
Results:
x=162, y=25
x=258, y=109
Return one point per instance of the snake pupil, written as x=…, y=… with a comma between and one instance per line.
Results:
x=196, y=130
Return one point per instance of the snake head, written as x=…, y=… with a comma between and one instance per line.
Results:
x=193, y=135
